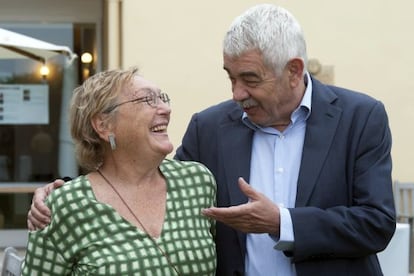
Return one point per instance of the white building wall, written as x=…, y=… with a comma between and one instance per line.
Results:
x=177, y=44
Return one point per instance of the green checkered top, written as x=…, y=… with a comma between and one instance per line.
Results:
x=87, y=237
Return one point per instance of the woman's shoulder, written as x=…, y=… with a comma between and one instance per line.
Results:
x=189, y=177
x=74, y=189
x=186, y=167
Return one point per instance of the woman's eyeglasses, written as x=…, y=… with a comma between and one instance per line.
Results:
x=152, y=99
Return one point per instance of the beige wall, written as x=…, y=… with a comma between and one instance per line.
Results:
x=177, y=44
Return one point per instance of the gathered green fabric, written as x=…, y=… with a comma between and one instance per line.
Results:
x=87, y=237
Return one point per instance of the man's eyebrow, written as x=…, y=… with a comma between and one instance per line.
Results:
x=243, y=74
x=249, y=74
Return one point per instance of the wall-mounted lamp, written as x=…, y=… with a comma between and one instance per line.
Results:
x=86, y=57
x=44, y=71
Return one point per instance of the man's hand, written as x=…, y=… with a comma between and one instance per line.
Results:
x=259, y=215
x=39, y=214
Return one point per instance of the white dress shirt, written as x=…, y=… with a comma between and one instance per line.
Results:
x=274, y=171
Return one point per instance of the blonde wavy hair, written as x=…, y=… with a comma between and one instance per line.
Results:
x=96, y=96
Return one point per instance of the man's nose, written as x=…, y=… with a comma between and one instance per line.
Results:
x=240, y=91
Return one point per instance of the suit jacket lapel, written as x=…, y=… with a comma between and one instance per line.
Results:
x=235, y=145
x=320, y=130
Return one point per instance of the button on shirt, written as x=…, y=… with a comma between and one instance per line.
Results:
x=274, y=172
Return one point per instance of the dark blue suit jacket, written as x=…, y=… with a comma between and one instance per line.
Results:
x=344, y=210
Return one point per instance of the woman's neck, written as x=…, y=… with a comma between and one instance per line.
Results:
x=132, y=171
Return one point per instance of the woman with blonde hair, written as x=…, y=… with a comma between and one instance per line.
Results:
x=135, y=212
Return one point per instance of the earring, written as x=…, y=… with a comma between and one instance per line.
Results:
x=111, y=138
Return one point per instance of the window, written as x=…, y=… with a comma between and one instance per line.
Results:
x=33, y=117
x=30, y=150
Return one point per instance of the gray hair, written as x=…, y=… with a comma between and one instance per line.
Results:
x=270, y=29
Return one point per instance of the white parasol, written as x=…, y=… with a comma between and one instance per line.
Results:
x=15, y=45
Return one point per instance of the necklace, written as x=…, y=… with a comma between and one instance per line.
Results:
x=140, y=223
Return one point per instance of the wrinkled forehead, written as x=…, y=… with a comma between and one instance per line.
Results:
x=140, y=86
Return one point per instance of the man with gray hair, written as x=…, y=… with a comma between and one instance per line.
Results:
x=317, y=159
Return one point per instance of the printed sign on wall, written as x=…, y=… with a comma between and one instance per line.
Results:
x=24, y=104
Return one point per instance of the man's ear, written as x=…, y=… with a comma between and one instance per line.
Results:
x=295, y=69
x=101, y=125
